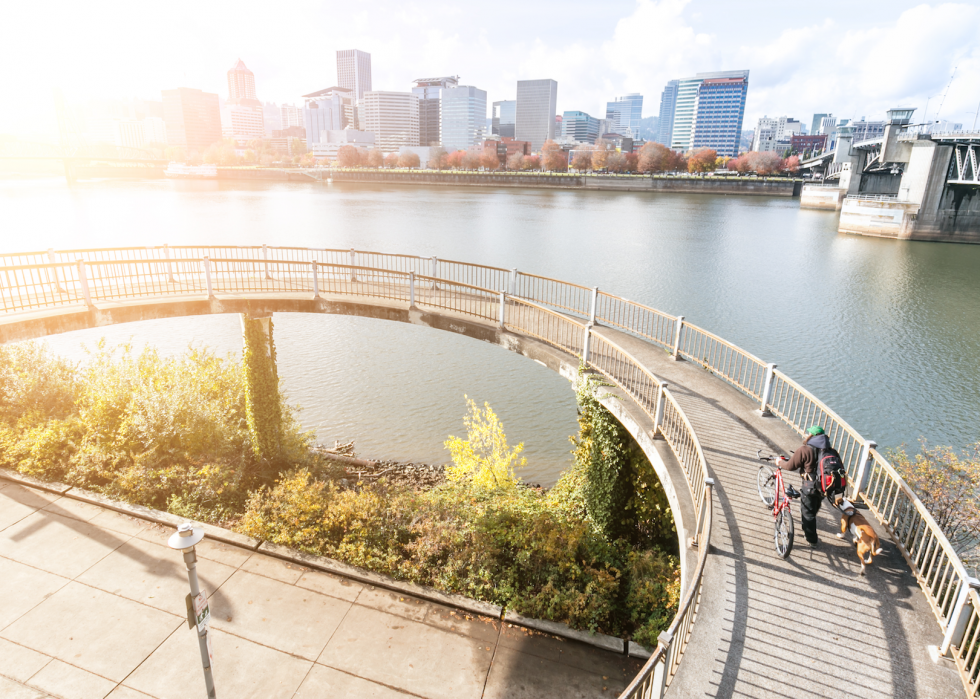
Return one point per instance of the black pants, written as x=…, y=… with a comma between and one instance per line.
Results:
x=810, y=505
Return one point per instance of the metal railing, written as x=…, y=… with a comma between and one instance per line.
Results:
x=539, y=307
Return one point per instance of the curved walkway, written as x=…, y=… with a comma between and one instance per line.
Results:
x=806, y=627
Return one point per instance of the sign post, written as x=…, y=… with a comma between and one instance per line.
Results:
x=198, y=611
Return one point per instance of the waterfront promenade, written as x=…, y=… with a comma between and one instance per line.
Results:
x=810, y=626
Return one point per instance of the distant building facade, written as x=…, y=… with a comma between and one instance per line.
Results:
x=325, y=110
x=815, y=123
x=354, y=71
x=624, y=114
x=537, y=102
x=290, y=115
x=504, y=118
x=807, y=143
x=579, y=126
x=242, y=116
x=192, y=118
x=393, y=117
x=272, y=117
x=719, y=110
x=668, y=102
x=330, y=142
x=429, y=92
x=772, y=134
x=464, y=117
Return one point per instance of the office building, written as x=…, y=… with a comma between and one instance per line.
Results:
x=464, y=117
x=815, y=123
x=867, y=130
x=329, y=143
x=393, y=117
x=429, y=92
x=773, y=134
x=807, y=143
x=579, y=127
x=242, y=115
x=534, y=119
x=504, y=118
x=624, y=114
x=668, y=101
x=290, y=115
x=354, y=72
x=192, y=118
x=709, y=111
x=241, y=84
x=326, y=110
x=272, y=117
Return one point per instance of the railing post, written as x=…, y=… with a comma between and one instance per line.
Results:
x=316, y=280
x=659, y=683
x=861, y=477
x=83, y=283
x=587, y=344
x=170, y=269
x=206, y=264
x=696, y=539
x=658, y=420
x=265, y=256
x=353, y=277
x=676, y=354
x=958, y=616
x=513, y=282
x=53, y=271
x=411, y=289
x=767, y=390
x=595, y=294
x=434, y=267
x=503, y=307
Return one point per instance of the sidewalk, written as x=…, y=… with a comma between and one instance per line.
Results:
x=94, y=607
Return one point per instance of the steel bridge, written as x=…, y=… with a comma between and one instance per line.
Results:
x=742, y=611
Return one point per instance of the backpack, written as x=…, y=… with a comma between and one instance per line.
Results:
x=830, y=471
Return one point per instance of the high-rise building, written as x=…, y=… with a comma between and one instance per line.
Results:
x=272, y=117
x=579, y=126
x=354, y=71
x=464, y=117
x=774, y=134
x=393, y=117
x=624, y=114
x=668, y=101
x=192, y=117
x=534, y=119
x=326, y=110
x=429, y=92
x=504, y=118
x=815, y=123
x=709, y=110
x=290, y=115
x=866, y=130
x=241, y=84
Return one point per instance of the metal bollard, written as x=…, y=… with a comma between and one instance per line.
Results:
x=198, y=611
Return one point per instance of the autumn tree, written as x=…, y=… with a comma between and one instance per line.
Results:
x=408, y=159
x=391, y=160
x=632, y=162
x=490, y=160
x=582, y=157
x=766, y=163
x=472, y=158
x=553, y=159
x=616, y=161
x=307, y=160
x=654, y=157
x=375, y=158
x=531, y=162
x=702, y=160
x=454, y=160
x=600, y=153
x=515, y=161
x=792, y=164
x=349, y=156
x=437, y=158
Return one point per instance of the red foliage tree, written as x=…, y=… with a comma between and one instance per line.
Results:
x=515, y=161
x=582, y=157
x=349, y=156
x=408, y=159
x=765, y=164
x=792, y=164
x=702, y=160
x=632, y=162
x=391, y=160
x=375, y=158
x=552, y=157
x=655, y=157
x=489, y=159
x=531, y=162
x=454, y=160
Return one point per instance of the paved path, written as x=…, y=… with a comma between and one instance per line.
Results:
x=810, y=626
x=93, y=606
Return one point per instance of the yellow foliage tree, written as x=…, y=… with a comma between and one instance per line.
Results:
x=484, y=459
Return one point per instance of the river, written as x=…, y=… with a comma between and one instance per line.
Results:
x=887, y=333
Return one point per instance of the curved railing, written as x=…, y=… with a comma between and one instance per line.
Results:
x=562, y=315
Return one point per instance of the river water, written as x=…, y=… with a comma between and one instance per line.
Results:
x=886, y=332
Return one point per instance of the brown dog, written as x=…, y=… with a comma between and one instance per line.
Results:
x=864, y=536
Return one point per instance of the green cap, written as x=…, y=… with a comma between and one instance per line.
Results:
x=815, y=430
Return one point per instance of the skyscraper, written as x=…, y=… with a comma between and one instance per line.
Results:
x=668, y=101
x=192, y=118
x=624, y=114
x=241, y=84
x=354, y=71
x=709, y=110
x=324, y=111
x=242, y=115
x=464, y=117
x=393, y=117
x=579, y=126
x=815, y=124
x=504, y=118
x=429, y=92
x=537, y=101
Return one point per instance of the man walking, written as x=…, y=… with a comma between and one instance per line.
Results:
x=807, y=460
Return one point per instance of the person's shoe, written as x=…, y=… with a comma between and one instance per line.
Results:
x=814, y=544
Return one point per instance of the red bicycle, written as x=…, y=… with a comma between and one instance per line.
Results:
x=776, y=496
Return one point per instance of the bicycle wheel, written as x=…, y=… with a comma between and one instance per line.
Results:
x=784, y=532
x=766, y=480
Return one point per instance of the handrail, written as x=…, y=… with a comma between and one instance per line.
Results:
x=90, y=275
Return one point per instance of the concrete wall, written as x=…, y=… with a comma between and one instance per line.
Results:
x=884, y=219
x=821, y=197
x=957, y=219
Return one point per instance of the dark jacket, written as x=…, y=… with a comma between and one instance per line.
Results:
x=805, y=458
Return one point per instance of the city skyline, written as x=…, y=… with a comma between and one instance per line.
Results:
x=592, y=67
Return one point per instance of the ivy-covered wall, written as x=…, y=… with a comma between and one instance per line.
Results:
x=262, y=400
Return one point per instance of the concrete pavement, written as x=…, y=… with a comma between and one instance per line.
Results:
x=93, y=607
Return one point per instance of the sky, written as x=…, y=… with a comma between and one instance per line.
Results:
x=851, y=58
